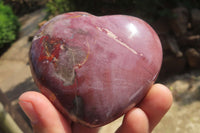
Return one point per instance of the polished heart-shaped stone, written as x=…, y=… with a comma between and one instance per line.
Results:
x=95, y=69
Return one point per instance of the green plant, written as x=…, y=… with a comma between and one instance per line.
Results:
x=55, y=7
x=8, y=25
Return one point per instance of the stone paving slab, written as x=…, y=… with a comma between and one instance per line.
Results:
x=14, y=67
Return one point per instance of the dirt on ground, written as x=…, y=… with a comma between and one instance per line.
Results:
x=15, y=78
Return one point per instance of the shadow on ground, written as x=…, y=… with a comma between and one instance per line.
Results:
x=27, y=85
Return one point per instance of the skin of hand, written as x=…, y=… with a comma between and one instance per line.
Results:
x=45, y=118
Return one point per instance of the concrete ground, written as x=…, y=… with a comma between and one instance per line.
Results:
x=15, y=78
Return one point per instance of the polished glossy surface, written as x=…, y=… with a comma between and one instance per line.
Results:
x=94, y=69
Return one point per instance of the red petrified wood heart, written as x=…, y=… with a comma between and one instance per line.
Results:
x=94, y=69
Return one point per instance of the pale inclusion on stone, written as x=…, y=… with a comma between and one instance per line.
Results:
x=76, y=58
x=136, y=93
x=113, y=36
x=38, y=36
x=68, y=63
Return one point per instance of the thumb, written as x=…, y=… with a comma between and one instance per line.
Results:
x=42, y=114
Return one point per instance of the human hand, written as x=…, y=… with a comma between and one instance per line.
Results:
x=45, y=118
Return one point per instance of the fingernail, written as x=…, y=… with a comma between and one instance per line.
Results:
x=29, y=111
